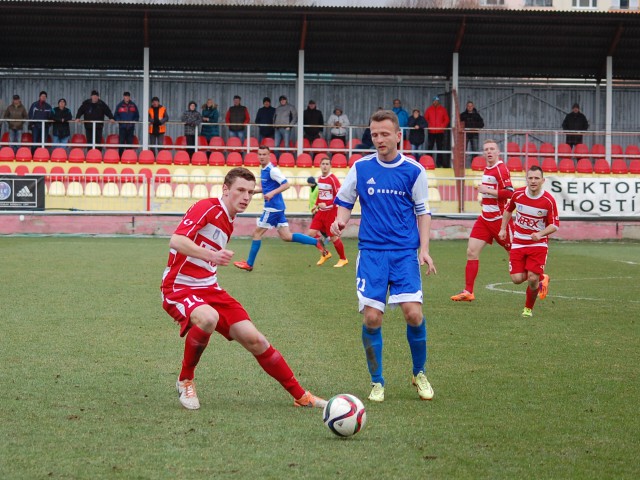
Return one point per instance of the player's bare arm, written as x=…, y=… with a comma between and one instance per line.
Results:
x=424, y=230
x=506, y=217
x=550, y=229
x=342, y=218
x=186, y=246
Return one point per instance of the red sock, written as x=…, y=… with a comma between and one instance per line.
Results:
x=339, y=248
x=275, y=365
x=470, y=274
x=195, y=343
x=531, y=297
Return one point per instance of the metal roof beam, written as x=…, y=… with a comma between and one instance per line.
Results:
x=612, y=50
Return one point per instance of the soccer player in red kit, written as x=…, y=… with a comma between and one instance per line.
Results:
x=192, y=296
x=496, y=190
x=536, y=219
x=325, y=212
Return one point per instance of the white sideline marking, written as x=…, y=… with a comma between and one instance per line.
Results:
x=627, y=262
x=495, y=287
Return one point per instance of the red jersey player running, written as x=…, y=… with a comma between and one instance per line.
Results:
x=325, y=212
x=496, y=190
x=192, y=296
x=536, y=219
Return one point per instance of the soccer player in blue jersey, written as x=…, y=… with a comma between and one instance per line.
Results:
x=273, y=183
x=393, y=243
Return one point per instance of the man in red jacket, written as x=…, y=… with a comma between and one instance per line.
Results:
x=437, y=119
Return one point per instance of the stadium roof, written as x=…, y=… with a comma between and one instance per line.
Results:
x=199, y=35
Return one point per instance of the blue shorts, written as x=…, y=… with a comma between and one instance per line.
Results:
x=395, y=271
x=272, y=219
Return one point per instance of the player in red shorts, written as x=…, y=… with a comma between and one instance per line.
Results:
x=192, y=296
x=496, y=189
x=536, y=219
x=325, y=212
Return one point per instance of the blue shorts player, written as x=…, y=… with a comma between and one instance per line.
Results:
x=393, y=243
x=272, y=184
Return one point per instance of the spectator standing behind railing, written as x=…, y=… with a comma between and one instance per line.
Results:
x=239, y=115
x=210, y=116
x=437, y=119
x=40, y=110
x=575, y=120
x=472, y=120
x=402, y=114
x=126, y=111
x=61, y=116
x=94, y=110
x=313, y=121
x=338, y=122
x=16, y=111
x=192, y=120
x=416, y=125
x=158, y=119
x=286, y=114
x=264, y=118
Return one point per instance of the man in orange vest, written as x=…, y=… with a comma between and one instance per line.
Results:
x=437, y=119
x=157, y=119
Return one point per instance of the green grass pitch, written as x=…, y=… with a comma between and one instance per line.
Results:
x=88, y=363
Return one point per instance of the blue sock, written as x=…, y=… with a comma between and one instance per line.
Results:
x=306, y=239
x=253, y=253
x=417, y=338
x=372, y=342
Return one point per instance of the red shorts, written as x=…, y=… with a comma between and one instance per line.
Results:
x=181, y=303
x=323, y=219
x=527, y=259
x=488, y=232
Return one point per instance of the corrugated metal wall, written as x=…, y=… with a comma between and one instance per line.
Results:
x=502, y=105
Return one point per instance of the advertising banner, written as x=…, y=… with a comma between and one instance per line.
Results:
x=595, y=197
x=21, y=192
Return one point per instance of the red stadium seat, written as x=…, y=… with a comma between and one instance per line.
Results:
x=406, y=146
x=273, y=159
x=632, y=150
x=8, y=155
x=566, y=165
x=146, y=157
x=93, y=156
x=354, y=143
x=167, y=141
x=320, y=144
x=26, y=137
x=354, y=158
x=113, y=139
x=532, y=161
x=39, y=170
x=549, y=165
x=75, y=174
x=144, y=174
x=616, y=150
x=92, y=174
x=111, y=156
x=252, y=141
x=163, y=175
x=199, y=158
x=57, y=174
x=306, y=144
x=564, y=150
x=318, y=158
x=164, y=157
x=336, y=145
x=78, y=138
x=478, y=164
x=547, y=149
x=581, y=150
x=286, y=160
x=601, y=166
x=217, y=143
x=181, y=158
x=234, y=159
x=598, y=149
x=338, y=160
x=234, y=144
x=110, y=174
x=513, y=147
x=530, y=148
x=5, y=170
x=216, y=159
x=584, y=165
x=268, y=142
x=427, y=162
x=41, y=155
x=23, y=154
x=128, y=175
x=22, y=170
x=202, y=143
x=5, y=137
x=76, y=155
x=251, y=160
x=181, y=142
x=618, y=165
x=304, y=161
x=634, y=166
x=129, y=156
x=514, y=164
x=59, y=155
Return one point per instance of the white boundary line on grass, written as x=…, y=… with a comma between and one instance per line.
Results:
x=495, y=287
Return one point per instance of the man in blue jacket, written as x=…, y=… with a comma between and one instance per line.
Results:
x=126, y=111
x=40, y=110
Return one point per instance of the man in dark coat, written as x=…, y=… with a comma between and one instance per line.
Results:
x=575, y=121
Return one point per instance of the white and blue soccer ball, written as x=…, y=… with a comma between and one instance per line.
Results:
x=344, y=415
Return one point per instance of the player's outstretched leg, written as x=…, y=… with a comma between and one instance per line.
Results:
x=470, y=274
x=372, y=342
x=194, y=344
x=543, y=288
x=340, y=249
x=417, y=338
x=251, y=260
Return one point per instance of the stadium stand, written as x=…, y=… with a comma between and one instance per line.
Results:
x=252, y=143
x=619, y=166
x=8, y=155
x=199, y=158
x=269, y=142
x=478, y=164
x=601, y=166
x=111, y=156
x=5, y=170
x=564, y=150
x=78, y=138
x=76, y=155
x=234, y=144
x=428, y=163
x=22, y=170
x=513, y=147
x=304, y=161
x=24, y=154
x=41, y=155
x=216, y=159
x=60, y=155
x=217, y=143
x=251, y=159
x=634, y=166
x=164, y=157
x=549, y=165
x=92, y=174
x=75, y=174
x=338, y=160
x=319, y=145
x=584, y=165
x=234, y=159
x=181, y=143
x=146, y=157
x=39, y=170
x=129, y=156
x=514, y=164
x=581, y=150
x=337, y=145
x=93, y=156
x=286, y=160
x=566, y=165
x=181, y=158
